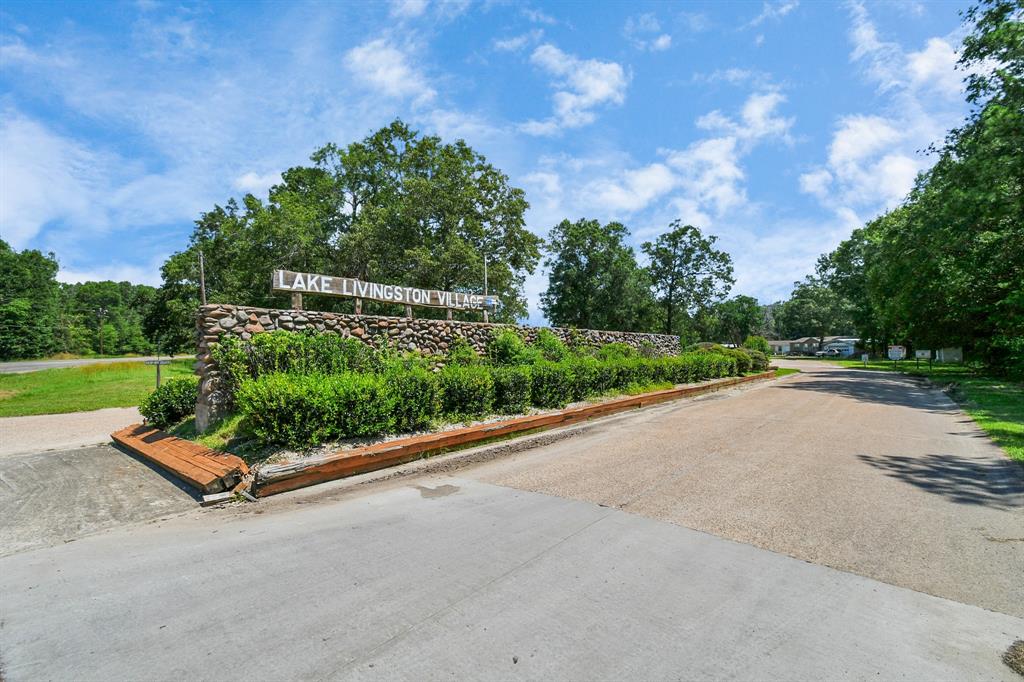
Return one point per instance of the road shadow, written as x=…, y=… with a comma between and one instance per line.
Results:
x=875, y=387
x=981, y=482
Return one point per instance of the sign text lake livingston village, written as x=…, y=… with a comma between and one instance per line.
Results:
x=307, y=283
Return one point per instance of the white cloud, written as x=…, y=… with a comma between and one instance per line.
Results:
x=256, y=183
x=115, y=272
x=44, y=177
x=538, y=17
x=581, y=85
x=935, y=66
x=407, y=9
x=516, y=43
x=773, y=11
x=644, y=33
x=387, y=69
x=873, y=159
x=816, y=183
x=634, y=190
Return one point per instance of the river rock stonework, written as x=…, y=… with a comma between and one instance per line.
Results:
x=217, y=322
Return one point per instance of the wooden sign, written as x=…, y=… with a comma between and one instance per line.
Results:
x=307, y=283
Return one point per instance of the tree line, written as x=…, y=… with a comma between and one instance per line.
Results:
x=40, y=316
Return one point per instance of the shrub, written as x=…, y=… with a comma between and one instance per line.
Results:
x=417, y=395
x=550, y=346
x=507, y=348
x=466, y=391
x=303, y=410
x=174, y=400
x=511, y=389
x=299, y=353
x=587, y=378
x=552, y=384
x=615, y=351
x=758, y=343
x=460, y=352
x=758, y=360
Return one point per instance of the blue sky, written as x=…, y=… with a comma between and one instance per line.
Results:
x=776, y=126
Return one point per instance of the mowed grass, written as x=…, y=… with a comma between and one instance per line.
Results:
x=78, y=389
x=995, y=404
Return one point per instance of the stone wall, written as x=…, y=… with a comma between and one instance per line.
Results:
x=216, y=322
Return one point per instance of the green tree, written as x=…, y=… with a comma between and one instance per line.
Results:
x=947, y=267
x=737, y=318
x=688, y=273
x=29, y=303
x=397, y=207
x=594, y=281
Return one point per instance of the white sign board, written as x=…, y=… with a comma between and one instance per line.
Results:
x=897, y=352
x=923, y=354
x=864, y=358
x=308, y=283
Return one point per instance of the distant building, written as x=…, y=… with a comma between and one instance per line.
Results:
x=809, y=345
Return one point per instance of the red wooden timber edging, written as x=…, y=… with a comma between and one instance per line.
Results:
x=208, y=470
x=279, y=478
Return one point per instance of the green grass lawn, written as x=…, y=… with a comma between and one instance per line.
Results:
x=77, y=389
x=997, y=405
x=783, y=371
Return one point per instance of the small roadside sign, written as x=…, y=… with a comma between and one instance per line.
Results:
x=920, y=355
x=864, y=358
x=159, y=362
x=897, y=353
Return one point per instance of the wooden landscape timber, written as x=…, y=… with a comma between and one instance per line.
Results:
x=279, y=478
x=206, y=470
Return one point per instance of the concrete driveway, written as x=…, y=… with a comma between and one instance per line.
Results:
x=868, y=472
x=584, y=559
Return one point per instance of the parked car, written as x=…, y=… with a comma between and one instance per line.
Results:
x=828, y=353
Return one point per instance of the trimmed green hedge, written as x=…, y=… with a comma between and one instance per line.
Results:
x=299, y=390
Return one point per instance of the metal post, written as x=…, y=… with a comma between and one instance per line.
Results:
x=485, y=287
x=202, y=280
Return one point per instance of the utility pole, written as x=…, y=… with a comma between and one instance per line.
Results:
x=100, y=313
x=202, y=279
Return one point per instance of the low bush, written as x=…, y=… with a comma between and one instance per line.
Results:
x=417, y=395
x=758, y=360
x=298, y=353
x=174, y=400
x=507, y=348
x=551, y=385
x=302, y=410
x=462, y=353
x=615, y=351
x=511, y=389
x=587, y=378
x=550, y=346
x=466, y=391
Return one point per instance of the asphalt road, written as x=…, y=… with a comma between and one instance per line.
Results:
x=23, y=366
x=584, y=559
